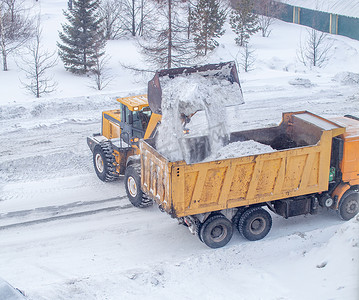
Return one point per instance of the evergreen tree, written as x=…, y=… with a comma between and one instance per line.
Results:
x=82, y=39
x=207, y=21
x=243, y=21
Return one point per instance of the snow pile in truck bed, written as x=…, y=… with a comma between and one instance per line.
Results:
x=239, y=149
x=184, y=95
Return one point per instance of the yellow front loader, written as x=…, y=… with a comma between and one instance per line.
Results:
x=116, y=149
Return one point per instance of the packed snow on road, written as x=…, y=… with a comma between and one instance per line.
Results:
x=64, y=234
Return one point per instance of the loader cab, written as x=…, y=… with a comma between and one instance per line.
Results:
x=134, y=123
x=135, y=116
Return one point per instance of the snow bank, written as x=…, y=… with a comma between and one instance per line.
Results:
x=301, y=82
x=347, y=78
x=329, y=269
x=238, y=149
x=183, y=96
x=57, y=107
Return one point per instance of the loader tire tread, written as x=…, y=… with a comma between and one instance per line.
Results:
x=140, y=200
x=106, y=151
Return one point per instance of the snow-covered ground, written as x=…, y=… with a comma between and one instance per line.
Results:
x=64, y=234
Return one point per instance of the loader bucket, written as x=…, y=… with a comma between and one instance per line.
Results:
x=227, y=71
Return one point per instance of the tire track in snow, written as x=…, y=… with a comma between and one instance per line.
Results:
x=63, y=212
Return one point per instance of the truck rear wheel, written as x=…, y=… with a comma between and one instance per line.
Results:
x=104, y=162
x=133, y=187
x=349, y=205
x=216, y=231
x=255, y=223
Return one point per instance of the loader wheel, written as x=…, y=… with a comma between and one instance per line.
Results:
x=255, y=223
x=349, y=205
x=104, y=162
x=216, y=231
x=133, y=187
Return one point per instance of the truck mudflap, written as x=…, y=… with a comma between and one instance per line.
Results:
x=339, y=192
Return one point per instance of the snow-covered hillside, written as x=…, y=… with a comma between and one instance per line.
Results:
x=64, y=234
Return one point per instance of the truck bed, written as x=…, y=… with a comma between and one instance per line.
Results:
x=299, y=165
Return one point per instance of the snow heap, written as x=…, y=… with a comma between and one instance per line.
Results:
x=347, y=78
x=183, y=96
x=238, y=149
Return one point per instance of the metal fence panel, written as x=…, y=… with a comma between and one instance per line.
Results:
x=286, y=12
x=315, y=19
x=349, y=27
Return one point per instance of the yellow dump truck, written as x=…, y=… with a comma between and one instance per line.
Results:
x=315, y=163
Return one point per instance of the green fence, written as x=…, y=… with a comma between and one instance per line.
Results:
x=286, y=12
x=315, y=19
x=347, y=26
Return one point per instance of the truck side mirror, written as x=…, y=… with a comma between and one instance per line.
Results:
x=130, y=117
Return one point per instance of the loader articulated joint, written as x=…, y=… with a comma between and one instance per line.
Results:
x=134, y=159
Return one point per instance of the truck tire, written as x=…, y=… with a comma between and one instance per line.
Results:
x=255, y=223
x=133, y=187
x=237, y=216
x=349, y=205
x=104, y=162
x=216, y=231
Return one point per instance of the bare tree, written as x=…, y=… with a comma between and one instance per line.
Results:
x=15, y=29
x=315, y=51
x=267, y=11
x=136, y=17
x=14, y=7
x=111, y=12
x=35, y=63
x=168, y=45
x=101, y=76
x=246, y=58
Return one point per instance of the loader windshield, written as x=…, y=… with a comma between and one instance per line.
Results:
x=141, y=118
